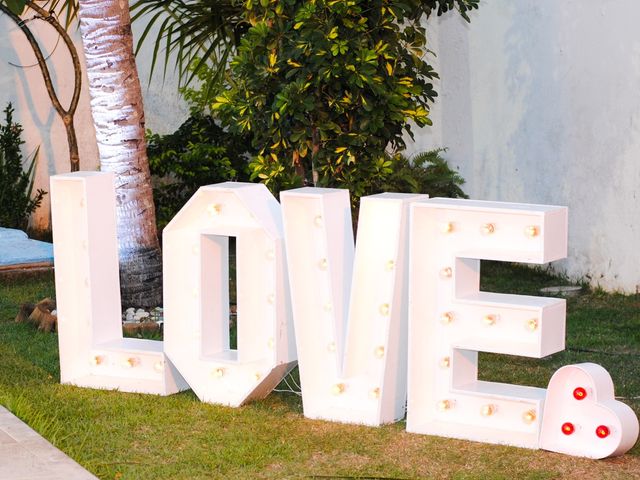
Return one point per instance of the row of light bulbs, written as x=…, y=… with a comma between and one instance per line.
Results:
x=384, y=310
x=220, y=372
x=340, y=388
x=128, y=362
x=601, y=431
x=489, y=319
x=531, y=231
x=487, y=410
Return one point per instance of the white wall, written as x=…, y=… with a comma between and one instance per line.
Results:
x=24, y=87
x=540, y=103
x=165, y=110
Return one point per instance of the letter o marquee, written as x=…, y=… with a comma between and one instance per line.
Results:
x=196, y=298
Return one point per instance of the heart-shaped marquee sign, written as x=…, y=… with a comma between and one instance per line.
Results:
x=583, y=418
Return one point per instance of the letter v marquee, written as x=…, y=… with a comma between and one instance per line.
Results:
x=349, y=313
x=450, y=319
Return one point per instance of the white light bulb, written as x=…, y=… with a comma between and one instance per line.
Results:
x=130, y=362
x=323, y=264
x=488, y=410
x=214, y=209
x=446, y=227
x=488, y=228
x=338, y=388
x=532, y=231
x=490, y=319
x=529, y=417
x=532, y=324
x=218, y=372
x=158, y=366
x=317, y=221
x=384, y=309
x=379, y=351
x=97, y=360
x=446, y=318
x=446, y=272
x=331, y=347
x=445, y=362
x=390, y=265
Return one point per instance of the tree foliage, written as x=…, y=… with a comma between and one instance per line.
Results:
x=190, y=34
x=54, y=7
x=198, y=153
x=425, y=172
x=16, y=184
x=325, y=86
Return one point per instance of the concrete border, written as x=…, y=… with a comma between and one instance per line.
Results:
x=25, y=455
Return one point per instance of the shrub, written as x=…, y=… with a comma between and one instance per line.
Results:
x=325, y=87
x=198, y=153
x=16, y=184
x=425, y=172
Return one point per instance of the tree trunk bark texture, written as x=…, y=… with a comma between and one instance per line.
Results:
x=118, y=116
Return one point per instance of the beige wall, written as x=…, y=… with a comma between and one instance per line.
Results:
x=24, y=88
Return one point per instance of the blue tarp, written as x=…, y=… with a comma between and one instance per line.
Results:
x=16, y=248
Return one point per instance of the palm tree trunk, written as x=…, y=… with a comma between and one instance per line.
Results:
x=118, y=116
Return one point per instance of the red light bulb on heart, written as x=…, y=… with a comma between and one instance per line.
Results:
x=579, y=393
x=568, y=428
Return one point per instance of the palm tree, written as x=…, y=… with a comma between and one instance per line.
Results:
x=118, y=117
x=191, y=34
x=200, y=29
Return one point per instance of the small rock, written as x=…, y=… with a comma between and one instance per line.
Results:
x=563, y=290
x=130, y=310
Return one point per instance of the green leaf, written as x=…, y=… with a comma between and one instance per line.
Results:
x=16, y=6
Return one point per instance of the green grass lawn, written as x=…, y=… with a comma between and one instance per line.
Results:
x=118, y=435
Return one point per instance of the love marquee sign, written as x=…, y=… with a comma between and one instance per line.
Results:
x=396, y=319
